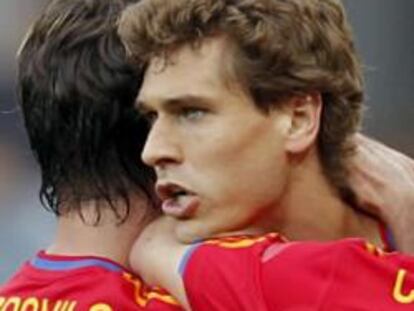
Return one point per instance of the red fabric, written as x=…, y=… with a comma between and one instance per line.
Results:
x=267, y=273
x=90, y=288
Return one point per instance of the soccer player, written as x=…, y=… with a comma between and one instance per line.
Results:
x=299, y=276
x=77, y=94
x=253, y=106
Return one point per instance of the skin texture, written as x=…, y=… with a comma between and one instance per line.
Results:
x=210, y=139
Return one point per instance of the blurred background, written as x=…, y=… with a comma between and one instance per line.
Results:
x=383, y=31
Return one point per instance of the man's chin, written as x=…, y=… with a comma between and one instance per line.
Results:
x=194, y=230
x=191, y=231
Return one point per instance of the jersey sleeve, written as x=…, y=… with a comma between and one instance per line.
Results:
x=225, y=274
x=269, y=274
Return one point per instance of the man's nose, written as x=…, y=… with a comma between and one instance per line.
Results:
x=162, y=146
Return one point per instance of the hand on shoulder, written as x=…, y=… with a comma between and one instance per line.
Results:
x=383, y=180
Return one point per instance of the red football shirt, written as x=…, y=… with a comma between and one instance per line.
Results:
x=66, y=283
x=268, y=273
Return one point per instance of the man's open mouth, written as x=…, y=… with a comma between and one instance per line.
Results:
x=177, y=201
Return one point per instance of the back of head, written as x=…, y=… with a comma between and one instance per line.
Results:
x=77, y=96
x=282, y=48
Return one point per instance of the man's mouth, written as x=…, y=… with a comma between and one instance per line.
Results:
x=177, y=201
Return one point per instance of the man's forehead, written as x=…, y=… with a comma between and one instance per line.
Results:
x=191, y=70
x=205, y=57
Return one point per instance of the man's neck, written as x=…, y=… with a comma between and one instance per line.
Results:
x=311, y=209
x=109, y=238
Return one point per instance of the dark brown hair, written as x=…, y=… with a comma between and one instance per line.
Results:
x=284, y=48
x=77, y=96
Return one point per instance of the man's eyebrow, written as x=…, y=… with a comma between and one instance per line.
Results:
x=187, y=100
x=174, y=102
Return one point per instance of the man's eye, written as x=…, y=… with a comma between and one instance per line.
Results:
x=192, y=113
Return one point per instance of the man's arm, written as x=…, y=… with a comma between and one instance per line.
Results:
x=157, y=254
x=383, y=180
x=214, y=275
x=245, y=273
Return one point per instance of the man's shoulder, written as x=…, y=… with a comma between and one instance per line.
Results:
x=83, y=284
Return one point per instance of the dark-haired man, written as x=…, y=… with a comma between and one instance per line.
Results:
x=77, y=93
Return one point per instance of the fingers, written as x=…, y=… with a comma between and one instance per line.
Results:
x=366, y=192
x=380, y=149
x=365, y=162
x=372, y=155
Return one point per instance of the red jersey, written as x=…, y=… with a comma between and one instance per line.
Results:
x=63, y=283
x=268, y=273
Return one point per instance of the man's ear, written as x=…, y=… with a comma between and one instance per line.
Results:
x=305, y=117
